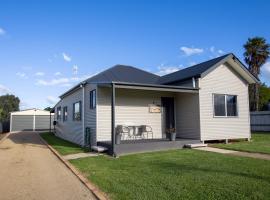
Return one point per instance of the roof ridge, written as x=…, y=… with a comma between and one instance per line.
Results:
x=193, y=66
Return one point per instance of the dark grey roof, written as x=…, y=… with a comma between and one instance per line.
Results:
x=123, y=73
x=193, y=71
x=128, y=74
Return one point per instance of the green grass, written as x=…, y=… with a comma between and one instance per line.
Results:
x=62, y=146
x=178, y=174
x=260, y=143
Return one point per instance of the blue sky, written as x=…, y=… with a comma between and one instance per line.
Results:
x=46, y=47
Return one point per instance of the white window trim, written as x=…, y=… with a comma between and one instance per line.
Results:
x=226, y=114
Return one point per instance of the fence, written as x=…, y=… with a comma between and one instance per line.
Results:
x=260, y=121
x=4, y=127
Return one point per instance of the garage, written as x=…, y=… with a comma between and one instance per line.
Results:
x=30, y=120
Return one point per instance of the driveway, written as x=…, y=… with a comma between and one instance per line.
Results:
x=29, y=170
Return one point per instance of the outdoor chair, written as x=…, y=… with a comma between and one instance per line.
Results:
x=137, y=132
x=148, y=130
x=124, y=131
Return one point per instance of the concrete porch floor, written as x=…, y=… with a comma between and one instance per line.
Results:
x=147, y=145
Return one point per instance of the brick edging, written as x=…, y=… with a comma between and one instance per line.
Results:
x=7, y=134
x=90, y=186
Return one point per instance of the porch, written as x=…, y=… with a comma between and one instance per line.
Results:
x=146, y=145
x=162, y=108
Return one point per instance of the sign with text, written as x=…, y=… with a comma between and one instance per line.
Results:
x=153, y=108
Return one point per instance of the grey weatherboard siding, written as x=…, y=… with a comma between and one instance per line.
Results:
x=73, y=130
x=193, y=101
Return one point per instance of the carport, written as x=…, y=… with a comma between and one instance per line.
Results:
x=30, y=120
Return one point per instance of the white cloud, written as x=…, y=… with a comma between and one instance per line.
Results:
x=188, y=51
x=4, y=90
x=53, y=82
x=52, y=100
x=266, y=71
x=221, y=51
x=39, y=74
x=192, y=63
x=66, y=57
x=63, y=82
x=163, y=70
x=212, y=49
x=57, y=73
x=21, y=75
x=2, y=31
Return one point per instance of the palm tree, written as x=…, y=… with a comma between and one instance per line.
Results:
x=256, y=54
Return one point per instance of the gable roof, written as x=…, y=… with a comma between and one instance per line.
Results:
x=128, y=74
x=201, y=68
x=124, y=73
x=189, y=72
x=119, y=73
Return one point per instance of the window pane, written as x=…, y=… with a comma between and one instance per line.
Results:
x=59, y=113
x=219, y=105
x=92, y=99
x=77, y=111
x=65, y=114
x=231, y=105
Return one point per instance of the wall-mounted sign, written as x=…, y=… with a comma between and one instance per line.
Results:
x=153, y=108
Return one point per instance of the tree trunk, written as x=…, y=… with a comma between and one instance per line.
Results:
x=257, y=96
x=251, y=89
x=254, y=97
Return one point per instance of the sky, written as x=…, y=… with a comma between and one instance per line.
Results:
x=46, y=47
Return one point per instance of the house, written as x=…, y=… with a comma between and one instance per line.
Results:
x=30, y=120
x=208, y=101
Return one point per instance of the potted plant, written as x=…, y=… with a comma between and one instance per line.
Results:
x=172, y=133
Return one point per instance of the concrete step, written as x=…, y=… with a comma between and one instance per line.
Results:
x=99, y=149
x=197, y=145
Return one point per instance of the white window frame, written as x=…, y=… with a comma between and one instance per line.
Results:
x=226, y=113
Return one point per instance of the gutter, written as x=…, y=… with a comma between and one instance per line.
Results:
x=155, y=86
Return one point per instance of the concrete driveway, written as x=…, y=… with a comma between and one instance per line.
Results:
x=29, y=170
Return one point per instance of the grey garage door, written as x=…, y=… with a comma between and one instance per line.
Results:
x=22, y=123
x=43, y=122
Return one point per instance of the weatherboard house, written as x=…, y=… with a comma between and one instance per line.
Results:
x=130, y=110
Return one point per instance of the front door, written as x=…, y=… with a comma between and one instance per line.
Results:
x=167, y=114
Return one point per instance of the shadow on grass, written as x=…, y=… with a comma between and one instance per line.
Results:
x=62, y=146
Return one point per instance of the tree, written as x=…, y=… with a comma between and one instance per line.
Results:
x=264, y=97
x=48, y=108
x=256, y=53
x=8, y=103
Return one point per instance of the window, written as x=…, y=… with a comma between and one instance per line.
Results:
x=231, y=105
x=77, y=111
x=65, y=114
x=225, y=105
x=58, y=116
x=93, y=99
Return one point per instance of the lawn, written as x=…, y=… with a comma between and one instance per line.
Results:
x=62, y=146
x=260, y=143
x=178, y=174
